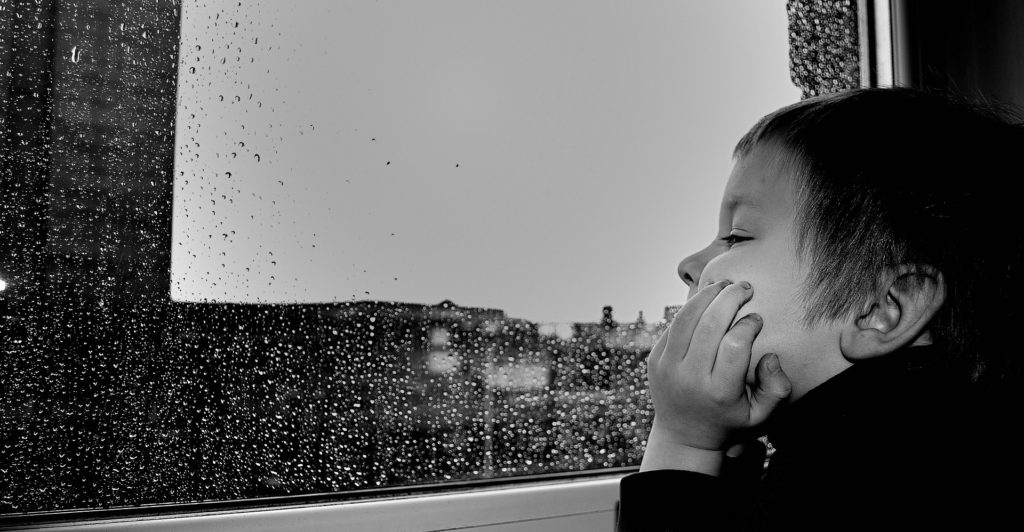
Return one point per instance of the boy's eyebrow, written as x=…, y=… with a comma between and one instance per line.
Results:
x=736, y=201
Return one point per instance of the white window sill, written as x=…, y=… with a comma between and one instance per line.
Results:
x=567, y=505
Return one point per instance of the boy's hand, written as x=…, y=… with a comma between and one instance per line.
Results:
x=697, y=374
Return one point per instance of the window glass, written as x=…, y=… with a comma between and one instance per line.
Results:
x=407, y=242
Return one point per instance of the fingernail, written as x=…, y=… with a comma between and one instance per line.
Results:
x=745, y=285
x=756, y=317
x=773, y=362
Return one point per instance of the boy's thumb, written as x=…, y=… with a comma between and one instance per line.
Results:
x=771, y=387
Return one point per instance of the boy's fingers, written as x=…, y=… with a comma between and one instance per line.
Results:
x=681, y=329
x=713, y=325
x=729, y=373
x=772, y=386
x=657, y=350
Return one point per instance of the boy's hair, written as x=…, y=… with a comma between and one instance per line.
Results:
x=895, y=177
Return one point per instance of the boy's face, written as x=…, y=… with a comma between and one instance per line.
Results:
x=756, y=242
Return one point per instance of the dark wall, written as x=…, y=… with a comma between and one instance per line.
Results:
x=973, y=48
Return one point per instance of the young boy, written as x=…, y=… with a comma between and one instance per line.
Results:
x=860, y=306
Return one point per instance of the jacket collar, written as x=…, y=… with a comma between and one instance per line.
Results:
x=868, y=392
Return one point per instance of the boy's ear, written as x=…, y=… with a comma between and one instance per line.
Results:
x=897, y=317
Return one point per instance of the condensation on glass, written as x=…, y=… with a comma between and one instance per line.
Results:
x=112, y=394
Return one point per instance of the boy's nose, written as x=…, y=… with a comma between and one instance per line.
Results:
x=691, y=268
x=687, y=272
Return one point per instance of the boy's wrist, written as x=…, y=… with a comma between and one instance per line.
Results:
x=664, y=453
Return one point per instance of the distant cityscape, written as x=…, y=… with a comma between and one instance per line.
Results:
x=424, y=392
x=243, y=401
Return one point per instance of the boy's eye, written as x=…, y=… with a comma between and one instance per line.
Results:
x=732, y=240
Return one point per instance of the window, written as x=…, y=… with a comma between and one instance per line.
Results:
x=255, y=249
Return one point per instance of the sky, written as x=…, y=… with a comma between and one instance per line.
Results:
x=546, y=158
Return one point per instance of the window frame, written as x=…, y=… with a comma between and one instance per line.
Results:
x=411, y=499
x=37, y=106
x=155, y=264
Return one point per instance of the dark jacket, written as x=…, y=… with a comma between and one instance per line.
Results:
x=898, y=441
